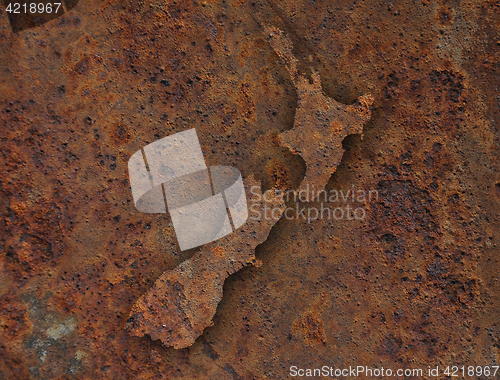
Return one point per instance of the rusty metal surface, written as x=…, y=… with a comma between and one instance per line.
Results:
x=413, y=284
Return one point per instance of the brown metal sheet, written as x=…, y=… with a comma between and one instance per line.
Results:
x=412, y=284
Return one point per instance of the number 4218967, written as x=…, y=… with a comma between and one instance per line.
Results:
x=33, y=8
x=464, y=371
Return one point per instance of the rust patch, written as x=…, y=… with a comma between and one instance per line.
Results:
x=311, y=326
x=445, y=15
x=14, y=321
x=278, y=172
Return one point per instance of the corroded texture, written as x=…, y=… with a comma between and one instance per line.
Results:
x=320, y=124
x=413, y=284
x=183, y=301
